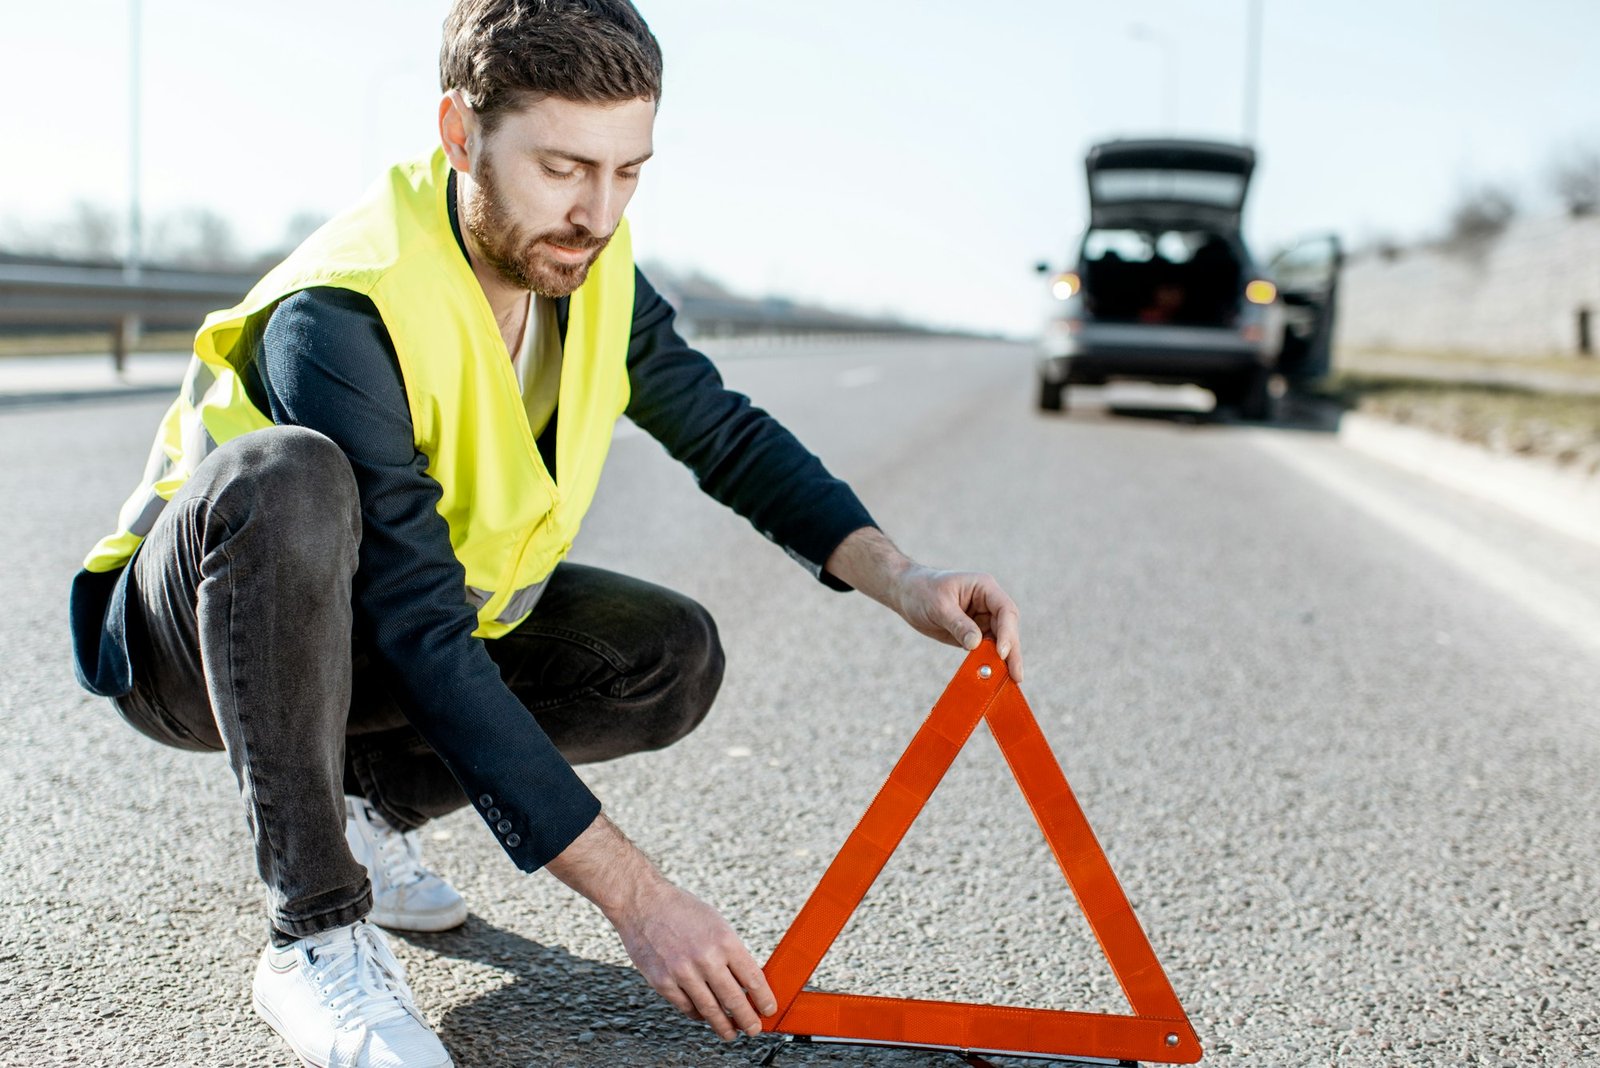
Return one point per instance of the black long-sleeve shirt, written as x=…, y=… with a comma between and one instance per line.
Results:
x=327, y=363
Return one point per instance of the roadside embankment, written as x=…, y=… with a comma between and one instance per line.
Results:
x=1525, y=434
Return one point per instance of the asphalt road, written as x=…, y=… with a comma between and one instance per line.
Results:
x=1338, y=730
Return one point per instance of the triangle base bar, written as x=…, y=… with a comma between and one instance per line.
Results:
x=994, y=1029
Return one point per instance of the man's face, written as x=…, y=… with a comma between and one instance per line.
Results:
x=547, y=188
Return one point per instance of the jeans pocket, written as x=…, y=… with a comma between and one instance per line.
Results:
x=144, y=714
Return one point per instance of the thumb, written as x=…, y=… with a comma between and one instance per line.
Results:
x=964, y=631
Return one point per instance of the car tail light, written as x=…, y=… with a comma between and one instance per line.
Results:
x=1065, y=285
x=1261, y=291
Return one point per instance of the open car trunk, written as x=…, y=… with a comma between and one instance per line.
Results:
x=1175, y=277
x=1163, y=244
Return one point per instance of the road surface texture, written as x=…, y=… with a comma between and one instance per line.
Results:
x=1338, y=730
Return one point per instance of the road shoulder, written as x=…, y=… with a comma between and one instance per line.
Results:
x=1557, y=496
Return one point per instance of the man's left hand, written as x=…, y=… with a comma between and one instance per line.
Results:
x=960, y=608
x=954, y=607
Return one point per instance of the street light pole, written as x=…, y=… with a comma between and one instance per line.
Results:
x=1252, y=70
x=132, y=264
x=129, y=327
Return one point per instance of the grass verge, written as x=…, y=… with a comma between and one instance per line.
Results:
x=91, y=343
x=1560, y=427
x=1449, y=363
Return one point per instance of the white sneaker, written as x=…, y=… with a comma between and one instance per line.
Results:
x=405, y=895
x=340, y=999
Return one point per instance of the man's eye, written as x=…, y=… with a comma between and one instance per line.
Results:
x=627, y=176
x=552, y=172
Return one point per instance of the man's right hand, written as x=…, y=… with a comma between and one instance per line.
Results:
x=690, y=956
x=682, y=946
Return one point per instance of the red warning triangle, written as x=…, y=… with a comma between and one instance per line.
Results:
x=1157, y=1030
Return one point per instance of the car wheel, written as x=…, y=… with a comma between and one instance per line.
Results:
x=1052, y=395
x=1256, y=402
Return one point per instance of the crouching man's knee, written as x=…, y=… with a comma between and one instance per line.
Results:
x=692, y=665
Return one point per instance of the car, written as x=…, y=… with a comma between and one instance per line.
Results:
x=1163, y=289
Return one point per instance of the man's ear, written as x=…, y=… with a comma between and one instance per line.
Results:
x=458, y=130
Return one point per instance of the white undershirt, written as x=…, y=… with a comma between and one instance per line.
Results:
x=538, y=362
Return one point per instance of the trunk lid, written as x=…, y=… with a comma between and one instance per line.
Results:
x=1169, y=183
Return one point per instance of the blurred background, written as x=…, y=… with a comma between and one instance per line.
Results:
x=892, y=167
x=903, y=158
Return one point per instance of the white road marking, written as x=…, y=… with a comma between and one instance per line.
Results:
x=857, y=377
x=1149, y=395
x=1545, y=493
x=1543, y=596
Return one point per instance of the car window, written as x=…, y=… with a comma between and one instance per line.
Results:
x=1140, y=246
x=1130, y=245
x=1309, y=264
x=1190, y=187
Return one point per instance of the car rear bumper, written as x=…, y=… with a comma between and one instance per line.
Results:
x=1098, y=352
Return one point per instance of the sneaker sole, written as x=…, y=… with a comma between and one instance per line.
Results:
x=426, y=922
x=305, y=1058
x=272, y=1022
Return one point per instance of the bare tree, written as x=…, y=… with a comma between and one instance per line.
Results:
x=1574, y=177
x=1377, y=244
x=88, y=231
x=686, y=281
x=92, y=231
x=195, y=237
x=300, y=226
x=1481, y=212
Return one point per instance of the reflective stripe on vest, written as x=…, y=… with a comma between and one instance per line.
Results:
x=510, y=520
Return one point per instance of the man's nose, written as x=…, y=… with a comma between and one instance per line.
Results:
x=594, y=206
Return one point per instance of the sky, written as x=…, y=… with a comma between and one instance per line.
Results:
x=909, y=156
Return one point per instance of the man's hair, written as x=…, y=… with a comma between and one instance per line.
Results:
x=506, y=54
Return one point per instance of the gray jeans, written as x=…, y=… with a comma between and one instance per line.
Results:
x=240, y=628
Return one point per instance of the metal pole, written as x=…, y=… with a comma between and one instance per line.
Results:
x=1252, y=70
x=127, y=336
x=135, y=117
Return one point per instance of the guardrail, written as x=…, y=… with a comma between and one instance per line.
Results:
x=54, y=295
x=46, y=295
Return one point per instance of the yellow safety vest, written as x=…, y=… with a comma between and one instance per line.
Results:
x=510, y=521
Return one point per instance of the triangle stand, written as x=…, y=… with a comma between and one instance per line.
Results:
x=1157, y=1030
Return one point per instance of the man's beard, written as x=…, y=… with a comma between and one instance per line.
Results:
x=515, y=257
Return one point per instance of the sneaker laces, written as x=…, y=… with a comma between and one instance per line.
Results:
x=359, y=976
x=399, y=852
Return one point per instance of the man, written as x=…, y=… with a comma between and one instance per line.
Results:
x=343, y=566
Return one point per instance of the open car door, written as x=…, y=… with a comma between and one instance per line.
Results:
x=1307, y=274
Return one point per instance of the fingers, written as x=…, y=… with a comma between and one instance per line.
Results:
x=754, y=981
x=954, y=604
x=963, y=631
x=724, y=1000
x=677, y=999
x=691, y=957
x=731, y=996
x=707, y=1004
x=980, y=606
x=1008, y=635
